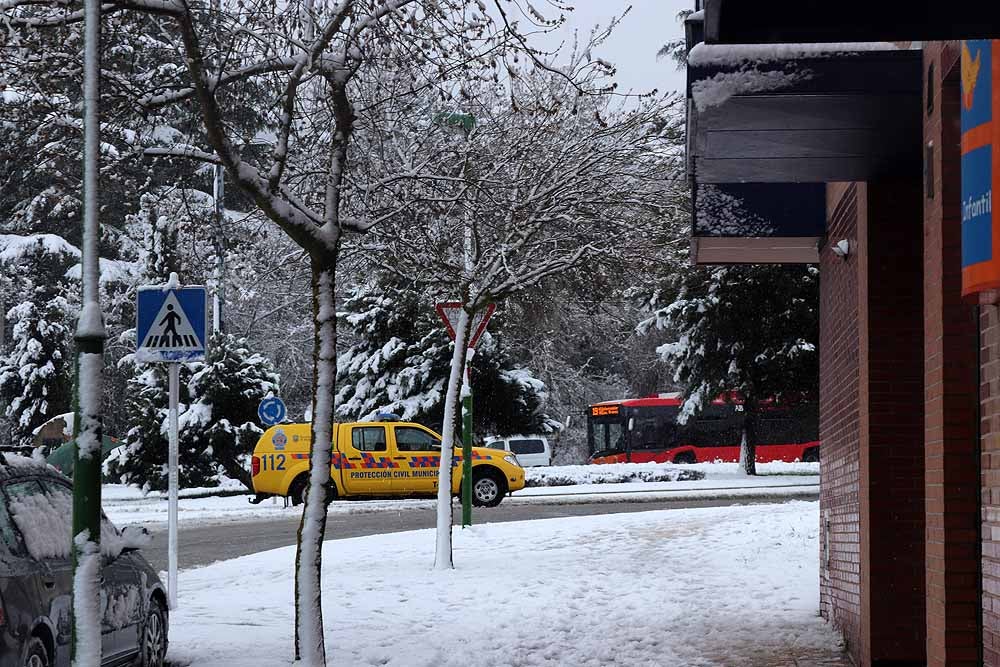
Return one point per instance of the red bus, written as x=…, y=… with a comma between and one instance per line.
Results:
x=639, y=430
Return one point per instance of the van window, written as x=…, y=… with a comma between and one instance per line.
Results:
x=409, y=439
x=527, y=446
x=497, y=444
x=368, y=438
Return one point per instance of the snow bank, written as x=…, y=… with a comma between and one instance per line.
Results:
x=699, y=588
x=615, y=473
x=618, y=473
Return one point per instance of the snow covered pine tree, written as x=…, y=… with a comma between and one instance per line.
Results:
x=401, y=358
x=35, y=373
x=225, y=390
x=716, y=349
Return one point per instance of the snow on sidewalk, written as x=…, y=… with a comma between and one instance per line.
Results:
x=677, y=588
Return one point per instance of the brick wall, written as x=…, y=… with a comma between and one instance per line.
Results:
x=892, y=422
x=950, y=333
x=989, y=424
x=872, y=423
x=840, y=592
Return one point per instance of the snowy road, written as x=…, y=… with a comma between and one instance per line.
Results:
x=202, y=544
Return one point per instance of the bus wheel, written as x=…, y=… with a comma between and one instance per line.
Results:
x=811, y=455
x=685, y=457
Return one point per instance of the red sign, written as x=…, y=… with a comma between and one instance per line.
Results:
x=450, y=311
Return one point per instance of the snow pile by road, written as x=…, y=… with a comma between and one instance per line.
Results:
x=620, y=473
x=732, y=470
x=614, y=473
x=699, y=588
x=127, y=505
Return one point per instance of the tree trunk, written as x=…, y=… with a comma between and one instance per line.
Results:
x=442, y=553
x=748, y=444
x=310, y=648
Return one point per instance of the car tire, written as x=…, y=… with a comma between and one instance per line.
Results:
x=153, y=637
x=36, y=655
x=811, y=455
x=685, y=457
x=488, y=488
x=297, y=489
x=300, y=485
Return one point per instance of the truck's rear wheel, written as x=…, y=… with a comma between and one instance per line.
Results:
x=297, y=489
x=300, y=486
x=488, y=488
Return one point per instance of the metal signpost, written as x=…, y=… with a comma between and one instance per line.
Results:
x=171, y=328
x=449, y=312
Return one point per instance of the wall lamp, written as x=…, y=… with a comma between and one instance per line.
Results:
x=841, y=248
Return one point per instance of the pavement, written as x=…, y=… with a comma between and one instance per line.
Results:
x=796, y=657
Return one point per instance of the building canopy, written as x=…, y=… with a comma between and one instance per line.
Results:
x=774, y=123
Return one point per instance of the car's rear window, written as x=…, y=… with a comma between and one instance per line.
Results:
x=527, y=446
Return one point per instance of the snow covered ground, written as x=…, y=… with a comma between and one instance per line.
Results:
x=678, y=588
x=126, y=505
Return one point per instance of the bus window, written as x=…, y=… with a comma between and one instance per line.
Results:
x=714, y=426
x=606, y=435
x=654, y=429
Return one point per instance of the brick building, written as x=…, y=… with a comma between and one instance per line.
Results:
x=834, y=111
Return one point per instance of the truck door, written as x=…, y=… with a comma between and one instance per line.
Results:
x=366, y=465
x=418, y=453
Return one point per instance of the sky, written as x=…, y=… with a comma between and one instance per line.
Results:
x=632, y=47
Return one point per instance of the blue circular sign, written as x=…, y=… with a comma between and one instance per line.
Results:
x=271, y=411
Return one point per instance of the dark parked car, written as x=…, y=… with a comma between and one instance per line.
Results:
x=36, y=578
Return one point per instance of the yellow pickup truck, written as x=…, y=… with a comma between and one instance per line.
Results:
x=378, y=459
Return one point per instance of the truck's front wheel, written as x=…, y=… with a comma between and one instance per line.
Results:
x=488, y=488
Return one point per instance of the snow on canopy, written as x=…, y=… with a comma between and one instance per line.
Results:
x=735, y=55
x=717, y=89
x=67, y=418
x=747, y=78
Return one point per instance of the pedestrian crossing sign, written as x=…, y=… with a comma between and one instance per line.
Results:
x=170, y=324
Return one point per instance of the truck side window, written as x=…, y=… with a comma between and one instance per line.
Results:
x=409, y=439
x=368, y=438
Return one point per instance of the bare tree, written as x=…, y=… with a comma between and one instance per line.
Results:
x=541, y=180
x=311, y=64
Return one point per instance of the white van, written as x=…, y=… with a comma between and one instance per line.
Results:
x=531, y=450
